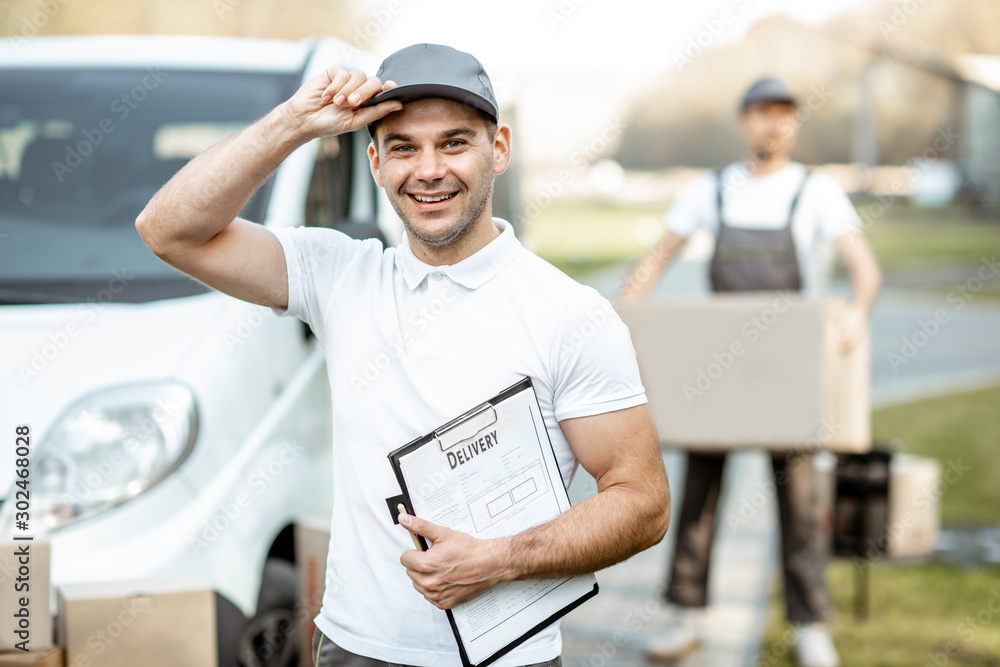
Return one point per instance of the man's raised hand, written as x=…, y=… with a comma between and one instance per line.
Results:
x=333, y=102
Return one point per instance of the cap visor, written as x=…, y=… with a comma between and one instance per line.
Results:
x=420, y=91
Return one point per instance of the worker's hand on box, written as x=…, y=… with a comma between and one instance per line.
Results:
x=853, y=327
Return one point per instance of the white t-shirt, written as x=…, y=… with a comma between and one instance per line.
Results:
x=409, y=347
x=823, y=213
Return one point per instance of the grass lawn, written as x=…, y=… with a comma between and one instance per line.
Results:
x=908, y=237
x=918, y=615
x=921, y=612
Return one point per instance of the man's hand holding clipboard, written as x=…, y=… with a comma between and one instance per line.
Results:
x=456, y=568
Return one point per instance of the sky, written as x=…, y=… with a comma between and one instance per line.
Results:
x=605, y=35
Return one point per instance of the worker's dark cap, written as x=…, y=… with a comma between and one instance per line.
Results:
x=432, y=70
x=767, y=89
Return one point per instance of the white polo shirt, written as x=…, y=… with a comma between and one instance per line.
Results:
x=410, y=346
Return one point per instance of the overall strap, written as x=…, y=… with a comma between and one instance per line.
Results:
x=795, y=199
x=718, y=196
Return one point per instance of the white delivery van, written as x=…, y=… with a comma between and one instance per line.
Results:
x=174, y=429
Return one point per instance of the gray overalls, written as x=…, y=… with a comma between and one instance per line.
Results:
x=754, y=260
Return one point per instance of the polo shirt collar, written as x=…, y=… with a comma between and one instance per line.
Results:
x=473, y=271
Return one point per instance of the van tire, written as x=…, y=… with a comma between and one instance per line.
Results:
x=270, y=639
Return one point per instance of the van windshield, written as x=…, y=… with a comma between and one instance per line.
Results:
x=82, y=151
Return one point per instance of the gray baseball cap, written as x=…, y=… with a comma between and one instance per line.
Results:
x=433, y=70
x=767, y=89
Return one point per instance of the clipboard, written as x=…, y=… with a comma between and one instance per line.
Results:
x=513, y=486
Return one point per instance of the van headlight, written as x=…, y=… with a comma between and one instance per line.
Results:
x=108, y=448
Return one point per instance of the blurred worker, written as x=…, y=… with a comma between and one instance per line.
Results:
x=768, y=215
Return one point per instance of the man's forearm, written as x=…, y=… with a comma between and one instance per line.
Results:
x=865, y=285
x=643, y=277
x=599, y=532
x=209, y=192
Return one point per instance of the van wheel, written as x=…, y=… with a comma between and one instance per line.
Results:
x=270, y=638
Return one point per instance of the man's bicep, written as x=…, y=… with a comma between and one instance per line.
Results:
x=618, y=447
x=244, y=260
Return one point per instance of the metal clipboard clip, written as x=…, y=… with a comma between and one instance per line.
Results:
x=465, y=427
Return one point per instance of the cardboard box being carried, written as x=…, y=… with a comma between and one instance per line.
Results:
x=156, y=622
x=24, y=578
x=752, y=370
x=312, y=542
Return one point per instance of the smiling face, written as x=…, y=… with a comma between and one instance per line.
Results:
x=436, y=162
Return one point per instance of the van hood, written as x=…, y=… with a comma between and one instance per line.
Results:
x=53, y=355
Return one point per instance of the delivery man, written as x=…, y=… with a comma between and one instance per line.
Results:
x=769, y=216
x=500, y=313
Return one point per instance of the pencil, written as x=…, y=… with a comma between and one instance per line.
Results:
x=413, y=536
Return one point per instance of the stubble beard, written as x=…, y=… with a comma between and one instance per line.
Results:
x=477, y=204
x=761, y=154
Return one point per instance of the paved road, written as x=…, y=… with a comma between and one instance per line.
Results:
x=963, y=352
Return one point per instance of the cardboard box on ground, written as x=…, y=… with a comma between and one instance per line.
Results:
x=312, y=543
x=752, y=370
x=902, y=516
x=25, y=576
x=914, y=506
x=157, y=622
x=52, y=657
